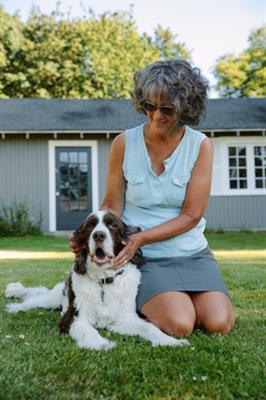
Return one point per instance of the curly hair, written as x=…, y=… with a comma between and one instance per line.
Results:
x=176, y=82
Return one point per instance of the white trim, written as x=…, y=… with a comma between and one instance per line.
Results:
x=52, y=144
x=77, y=131
x=221, y=147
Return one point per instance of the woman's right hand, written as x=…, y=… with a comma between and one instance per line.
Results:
x=74, y=245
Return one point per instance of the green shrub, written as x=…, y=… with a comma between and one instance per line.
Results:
x=15, y=221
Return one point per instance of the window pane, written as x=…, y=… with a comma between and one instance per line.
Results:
x=83, y=157
x=64, y=194
x=243, y=184
x=63, y=157
x=233, y=184
x=258, y=161
x=232, y=151
x=74, y=205
x=65, y=205
x=73, y=157
x=233, y=173
x=242, y=173
x=83, y=168
x=63, y=171
x=242, y=162
x=73, y=172
x=232, y=162
x=241, y=151
x=257, y=151
x=258, y=172
x=259, y=183
x=83, y=205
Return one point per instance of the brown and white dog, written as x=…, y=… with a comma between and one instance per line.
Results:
x=94, y=295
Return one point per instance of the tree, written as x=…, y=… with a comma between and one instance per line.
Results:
x=244, y=75
x=94, y=57
x=13, y=45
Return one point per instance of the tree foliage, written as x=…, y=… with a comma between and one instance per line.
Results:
x=94, y=57
x=244, y=75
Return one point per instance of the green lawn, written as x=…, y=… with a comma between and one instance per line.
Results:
x=36, y=362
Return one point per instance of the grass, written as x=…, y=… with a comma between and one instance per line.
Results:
x=36, y=362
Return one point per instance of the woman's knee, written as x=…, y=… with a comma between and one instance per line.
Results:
x=172, y=312
x=222, y=323
x=175, y=326
x=178, y=326
x=214, y=312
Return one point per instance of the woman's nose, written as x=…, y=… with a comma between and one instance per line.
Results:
x=158, y=114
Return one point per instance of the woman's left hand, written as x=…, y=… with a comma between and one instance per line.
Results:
x=132, y=244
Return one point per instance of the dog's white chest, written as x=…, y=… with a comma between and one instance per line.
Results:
x=105, y=303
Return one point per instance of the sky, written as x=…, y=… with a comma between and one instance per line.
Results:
x=209, y=28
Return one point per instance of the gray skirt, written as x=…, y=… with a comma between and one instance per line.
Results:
x=196, y=273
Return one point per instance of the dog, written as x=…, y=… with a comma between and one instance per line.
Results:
x=94, y=295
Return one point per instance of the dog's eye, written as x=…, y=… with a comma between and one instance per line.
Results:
x=112, y=225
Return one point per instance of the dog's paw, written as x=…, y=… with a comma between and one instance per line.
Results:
x=15, y=289
x=184, y=342
x=103, y=344
x=109, y=345
x=13, y=308
x=171, y=341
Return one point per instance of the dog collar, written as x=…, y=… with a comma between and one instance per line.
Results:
x=107, y=281
x=110, y=279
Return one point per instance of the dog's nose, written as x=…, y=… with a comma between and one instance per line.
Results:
x=99, y=236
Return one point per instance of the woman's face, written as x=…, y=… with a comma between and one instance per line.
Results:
x=161, y=115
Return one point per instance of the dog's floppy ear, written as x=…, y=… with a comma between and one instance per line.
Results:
x=81, y=237
x=80, y=262
x=138, y=258
x=130, y=230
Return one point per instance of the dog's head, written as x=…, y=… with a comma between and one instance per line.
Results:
x=102, y=234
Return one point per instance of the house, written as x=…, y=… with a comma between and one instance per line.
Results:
x=54, y=157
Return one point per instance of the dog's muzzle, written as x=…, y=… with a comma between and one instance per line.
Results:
x=100, y=257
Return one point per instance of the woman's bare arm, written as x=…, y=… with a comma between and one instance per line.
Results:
x=115, y=191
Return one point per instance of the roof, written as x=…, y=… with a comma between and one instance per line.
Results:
x=102, y=115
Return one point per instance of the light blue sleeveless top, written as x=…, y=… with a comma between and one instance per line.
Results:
x=151, y=200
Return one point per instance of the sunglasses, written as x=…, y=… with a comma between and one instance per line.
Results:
x=164, y=110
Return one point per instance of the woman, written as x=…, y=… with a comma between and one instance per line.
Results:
x=159, y=179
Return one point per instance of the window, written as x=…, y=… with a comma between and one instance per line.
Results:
x=237, y=158
x=260, y=166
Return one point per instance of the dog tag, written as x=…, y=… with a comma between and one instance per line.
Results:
x=102, y=293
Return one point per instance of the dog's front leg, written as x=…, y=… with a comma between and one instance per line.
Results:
x=134, y=325
x=87, y=336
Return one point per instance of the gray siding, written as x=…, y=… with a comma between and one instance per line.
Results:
x=236, y=212
x=24, y=175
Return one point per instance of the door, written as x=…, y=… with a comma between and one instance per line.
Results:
x=73, y=186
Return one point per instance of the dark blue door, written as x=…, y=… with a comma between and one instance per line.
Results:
x=73, y=186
